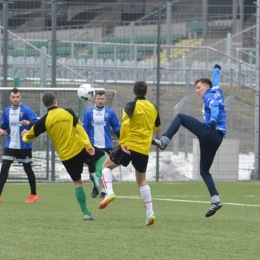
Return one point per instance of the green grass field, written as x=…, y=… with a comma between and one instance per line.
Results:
x=53, y=228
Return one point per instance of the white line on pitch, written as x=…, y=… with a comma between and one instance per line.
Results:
x=191, y=201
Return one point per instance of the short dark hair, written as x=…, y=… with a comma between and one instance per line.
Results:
x=14, y=90
x=100, y=93
x=48, y=99
x=203, y=80
x=140, y=88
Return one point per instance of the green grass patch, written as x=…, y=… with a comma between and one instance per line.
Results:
x=53, y=227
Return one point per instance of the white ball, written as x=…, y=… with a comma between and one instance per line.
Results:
x=86, y=92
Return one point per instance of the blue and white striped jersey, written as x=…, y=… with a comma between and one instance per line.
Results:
x=11, y=122
x=213, y=104
x=97, y=122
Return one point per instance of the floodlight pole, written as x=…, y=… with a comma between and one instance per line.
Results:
x=205, y=19
x=158, y=83
x=5, y=45
x=53, y=78
x=5, y=95
x=257, y=172
x=53, y=41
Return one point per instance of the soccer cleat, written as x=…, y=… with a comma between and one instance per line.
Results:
x=213, y=209
x=103, y=204
x=159, y=143
x=95, y=189
x=150, y=219
x=0, y=199
x=32, y=198
x=102, y=195
x=89, y=217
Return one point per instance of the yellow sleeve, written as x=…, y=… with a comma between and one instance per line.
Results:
x=30, y=136
x=157, y=128
x=124, y=129
x=83, y=135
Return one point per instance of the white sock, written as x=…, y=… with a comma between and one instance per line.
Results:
x=165, y=139
x=107, y=179
x=147, y=198
x=104, y=190
x=215, y=199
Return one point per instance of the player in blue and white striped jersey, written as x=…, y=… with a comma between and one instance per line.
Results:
x=15, y=119
x=98, y=122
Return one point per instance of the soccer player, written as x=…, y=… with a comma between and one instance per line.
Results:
x=98, y=122
x=210, y=133
x=15, y=119
x=70, y=141
x=140, y=119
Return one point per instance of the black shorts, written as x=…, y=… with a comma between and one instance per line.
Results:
x=92, y=166
x=138, y=160
x=107, y=150
x=21, y=155
x=74, y=166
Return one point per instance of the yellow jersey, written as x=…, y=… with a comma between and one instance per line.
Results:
x=65, y=131
x=140, y=119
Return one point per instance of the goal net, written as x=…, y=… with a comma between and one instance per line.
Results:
x=46, y=165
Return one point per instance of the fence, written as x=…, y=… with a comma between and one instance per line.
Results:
x=62, y=44
x=46, y=163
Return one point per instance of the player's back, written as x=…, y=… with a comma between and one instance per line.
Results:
x=60, y=126
x=142, y=122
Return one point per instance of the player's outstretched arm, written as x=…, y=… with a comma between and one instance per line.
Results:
x=216, y=75
x=28, y=136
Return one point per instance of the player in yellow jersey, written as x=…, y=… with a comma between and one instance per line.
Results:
x=140, y=119
x=70, y=141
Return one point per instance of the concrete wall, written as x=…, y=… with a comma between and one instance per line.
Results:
x=123, y=31
x=65, y=35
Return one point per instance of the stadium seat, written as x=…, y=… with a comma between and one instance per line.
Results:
x=81, y=62
x=99, y=63
x=117, y=63
x=31, y=52
x=39, y=44
x=141, y=64
x=90, y=62
x=19, y=60
x=165, y=65
x=38, y=60
x=30, y=60
x=125, y=64
x=10, y=60
x=133, y=64
x=108, y=63
x=151, y=64
x=71, y=62
x=61, y=60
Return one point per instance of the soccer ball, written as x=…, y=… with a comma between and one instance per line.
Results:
x=86, y=92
